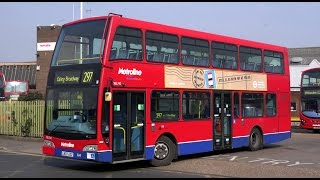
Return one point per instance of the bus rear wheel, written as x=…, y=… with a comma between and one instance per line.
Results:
x=255, y=140
x=164, y=152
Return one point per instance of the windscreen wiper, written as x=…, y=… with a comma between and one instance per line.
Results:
x=88, y=136
x=54, y=129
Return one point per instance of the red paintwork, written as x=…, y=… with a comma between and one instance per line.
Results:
x=78, y=144
x=153, y=78
x=308, y=122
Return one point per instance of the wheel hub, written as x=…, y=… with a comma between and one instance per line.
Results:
x=161, y=151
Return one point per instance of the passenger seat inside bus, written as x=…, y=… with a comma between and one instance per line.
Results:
x=249, y=66
x=173, y=58
x=158, y=57
x=113, y=53
x=203, y=62
x=217, y=63
x=188, y=60
x=123, y=54
x=277, y=69
x=228, y=64
x=268, y=68
x=270, y=111
x=258, y=67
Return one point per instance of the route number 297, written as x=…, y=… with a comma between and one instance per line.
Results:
x=87, y=77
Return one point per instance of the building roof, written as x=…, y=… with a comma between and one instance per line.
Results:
x=302, y=59
x=303, y=56
x=20, y=71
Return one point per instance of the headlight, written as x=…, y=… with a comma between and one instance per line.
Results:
x=90, y=148
x=48, y=143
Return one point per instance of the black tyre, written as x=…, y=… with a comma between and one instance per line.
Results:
x=164, y=152
x=255, y=140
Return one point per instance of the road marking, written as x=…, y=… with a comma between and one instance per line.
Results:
x=298, y=163
x=259, y=160
x=21, y=153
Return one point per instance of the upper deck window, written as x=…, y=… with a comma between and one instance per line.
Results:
x=127, y=44
x=273, y=62
x=162, y=47
x=79, y=43
x=224, y=55
x=311, y=78
x=250, y=59
x=195, y=52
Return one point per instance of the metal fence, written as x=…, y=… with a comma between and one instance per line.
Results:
x=22, y=118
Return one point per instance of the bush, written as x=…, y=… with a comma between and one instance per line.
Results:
x=26, y=126
x=31, y=96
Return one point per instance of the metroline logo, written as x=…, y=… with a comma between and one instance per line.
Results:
x=63, y=144
x=132, y=72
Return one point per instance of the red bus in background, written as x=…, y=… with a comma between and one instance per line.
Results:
x=310, y=99
x=2, y=87
x=13, y=89
x=122, y=89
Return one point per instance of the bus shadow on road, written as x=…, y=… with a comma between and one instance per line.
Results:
x=93, y=166
x=224, y=152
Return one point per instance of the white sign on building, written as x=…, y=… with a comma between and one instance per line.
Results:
x=46, y=46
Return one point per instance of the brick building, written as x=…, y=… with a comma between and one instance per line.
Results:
x=46, y=39
x=35, y=72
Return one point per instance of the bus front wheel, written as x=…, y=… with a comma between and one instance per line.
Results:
x=255, y=140
x=164, y=152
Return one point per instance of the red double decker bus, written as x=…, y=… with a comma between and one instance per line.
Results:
x=310, y=99
x=121, y=90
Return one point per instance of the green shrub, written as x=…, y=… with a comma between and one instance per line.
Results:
x=31, y=96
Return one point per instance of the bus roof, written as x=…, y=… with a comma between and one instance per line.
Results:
x=311, y=69
x=196, y=33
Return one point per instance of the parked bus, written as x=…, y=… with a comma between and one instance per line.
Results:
x=310, y=99
x=13, y=89
x=2, y=86
x=122, y=89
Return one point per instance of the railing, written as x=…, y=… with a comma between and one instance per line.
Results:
x=22, y=118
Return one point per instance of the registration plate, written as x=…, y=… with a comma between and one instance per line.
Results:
x=67, y=154
x=316, y=126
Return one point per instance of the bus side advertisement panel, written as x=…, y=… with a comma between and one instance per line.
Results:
x=200, y=78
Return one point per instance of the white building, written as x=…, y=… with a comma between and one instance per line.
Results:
x=300, y=59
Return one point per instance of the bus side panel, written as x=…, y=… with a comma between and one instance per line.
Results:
x=284, y=112
x=193, y=136
x=279, y=83
x=240, y=133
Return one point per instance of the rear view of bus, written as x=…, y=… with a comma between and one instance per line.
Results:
x=310, y=99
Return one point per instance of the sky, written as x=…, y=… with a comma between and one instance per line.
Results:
x=293, y=24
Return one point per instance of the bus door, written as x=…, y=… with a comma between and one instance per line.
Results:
x=128, y=125
x=222, y=120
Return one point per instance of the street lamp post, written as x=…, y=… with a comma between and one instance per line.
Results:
x=81, y=16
